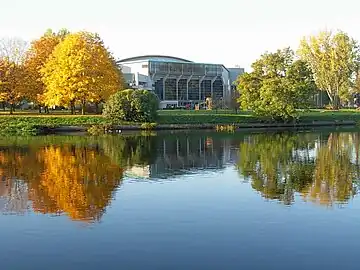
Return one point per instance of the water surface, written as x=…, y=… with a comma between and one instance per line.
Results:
x=195, y=200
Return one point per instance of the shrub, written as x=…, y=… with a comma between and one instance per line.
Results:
x=144, y=105
x=132, y=106
x=148, y=126
x=96, y=130
x=118, y=106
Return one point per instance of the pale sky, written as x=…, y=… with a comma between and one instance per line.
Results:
x=229, y=32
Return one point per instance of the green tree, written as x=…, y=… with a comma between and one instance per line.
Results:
x=131, y=105
x=277, y=86
x=334, y=59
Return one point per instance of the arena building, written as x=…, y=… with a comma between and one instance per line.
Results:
x=179, y=82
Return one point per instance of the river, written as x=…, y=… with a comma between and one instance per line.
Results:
x=181, y=200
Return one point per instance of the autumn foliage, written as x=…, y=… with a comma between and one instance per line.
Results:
x=66, y=179
x=80, y=70
x=12, y=82
x=35, y=60
x=59, y=69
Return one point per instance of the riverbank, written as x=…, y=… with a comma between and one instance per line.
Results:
x=218, y=127
x=170, y=120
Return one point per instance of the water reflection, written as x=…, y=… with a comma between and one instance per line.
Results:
x=320, y=167
x=336, y=172
x=78, y=175
x=76, y=179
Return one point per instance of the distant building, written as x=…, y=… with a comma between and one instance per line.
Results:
x=179, y=82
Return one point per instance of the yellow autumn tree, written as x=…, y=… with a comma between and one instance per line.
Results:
x=36, y=58
x=80, y=70
x=12, y=82
x=12, y=72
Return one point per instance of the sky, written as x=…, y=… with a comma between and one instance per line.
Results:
x=229, y=32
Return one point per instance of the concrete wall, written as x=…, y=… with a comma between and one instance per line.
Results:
x=125, y=69
x=140, y=69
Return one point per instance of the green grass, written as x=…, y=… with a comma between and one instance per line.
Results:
x=206, y=117
x=27, y=122
x=28, y=125
x=229, y=117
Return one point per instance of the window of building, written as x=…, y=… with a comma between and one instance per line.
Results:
x=194, y=90
x=170, y=89
x=218, y=89
x=182, y=89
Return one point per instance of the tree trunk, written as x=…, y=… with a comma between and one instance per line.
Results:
x=39, y=109
x=11, y=108
x=97, y=107
x=83, y=107
x=72, y=107
x=47, y=109
x=336, y=102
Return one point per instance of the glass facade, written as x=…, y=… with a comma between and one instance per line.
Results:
x=182, y=86
x=194, y=90
x=218, y=89
x=178, y=68
x=170, y=89
x=195, y=93
x=205, y=89
x=186, y=81
x=159, y=86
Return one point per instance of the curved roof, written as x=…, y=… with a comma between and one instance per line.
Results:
x=154, y=57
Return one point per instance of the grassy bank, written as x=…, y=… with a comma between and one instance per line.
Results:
x=29, y=123
x=229, y=117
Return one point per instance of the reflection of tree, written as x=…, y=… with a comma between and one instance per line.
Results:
x=281, y=164
x=267, y=161
x=127, y=151
x=78, y=181
x=75, y=175
x=335, y=173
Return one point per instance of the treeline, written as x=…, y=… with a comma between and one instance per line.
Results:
x=284, y=81
x=58, y=69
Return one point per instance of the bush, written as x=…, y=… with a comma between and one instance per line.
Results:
x=148, y=126
x=131, y=106
x=144, y=105
x=96, y=130
x=118, y=106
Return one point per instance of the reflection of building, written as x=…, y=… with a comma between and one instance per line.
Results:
x=184, y=155
x=138, y=171
x=178, y=81
x=181, y=155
